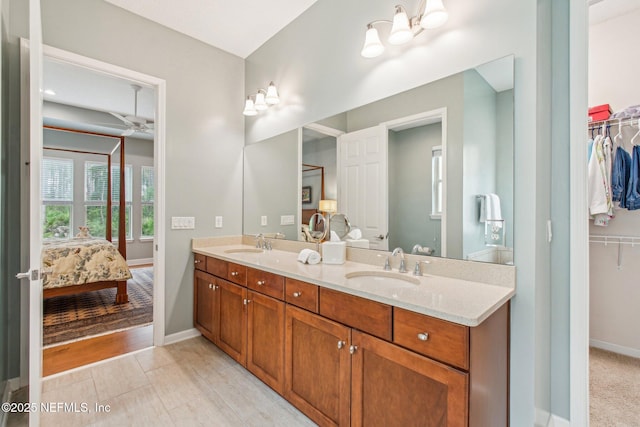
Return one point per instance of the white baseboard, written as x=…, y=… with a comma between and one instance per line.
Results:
x=181, y=336
x=556, y=421
x=141, y=261
x=615, y=348
x=543, y=418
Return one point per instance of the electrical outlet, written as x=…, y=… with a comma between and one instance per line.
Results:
x=263, y=220
x=218, y=222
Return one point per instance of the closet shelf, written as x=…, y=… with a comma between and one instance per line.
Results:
x=614, y=239
x=623, y=121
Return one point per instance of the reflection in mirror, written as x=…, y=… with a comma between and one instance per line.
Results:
x=339, y=224
x=409, y=171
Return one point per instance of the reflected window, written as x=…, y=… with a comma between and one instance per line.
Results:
x=57, y=197
x=436, y=182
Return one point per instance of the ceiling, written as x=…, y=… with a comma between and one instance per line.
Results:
x=239, y=26
x=603, y=10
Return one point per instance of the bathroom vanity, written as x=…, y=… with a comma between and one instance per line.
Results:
x=353, y=345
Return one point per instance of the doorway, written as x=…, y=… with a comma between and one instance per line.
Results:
x=143, y=183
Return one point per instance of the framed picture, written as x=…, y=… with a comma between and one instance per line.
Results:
x=306, y=194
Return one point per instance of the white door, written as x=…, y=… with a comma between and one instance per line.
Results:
x=362, y=193
x=31, y=75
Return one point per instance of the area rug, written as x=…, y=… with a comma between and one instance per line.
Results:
x=71, y=317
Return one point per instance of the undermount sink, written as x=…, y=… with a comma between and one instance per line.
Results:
x=374, y=278
x=243, y=251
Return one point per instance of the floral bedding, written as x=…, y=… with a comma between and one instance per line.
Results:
x=79, y=261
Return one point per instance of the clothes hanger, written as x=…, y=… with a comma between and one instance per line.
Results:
x=617, y=139
x=633, y=140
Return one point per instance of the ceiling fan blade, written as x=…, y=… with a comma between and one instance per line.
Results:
x=122, y=118
x=128, y=132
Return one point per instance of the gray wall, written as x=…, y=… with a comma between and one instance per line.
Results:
x=204, y=124
x=336, y=78
x=504, y=156
x=138, y=153
x=321, y=152
x=479, y=157
x=410, y=188
x=272, y=164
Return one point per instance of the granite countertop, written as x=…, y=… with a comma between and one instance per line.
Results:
x=461, y=301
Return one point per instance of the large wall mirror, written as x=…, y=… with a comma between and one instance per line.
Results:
x=429, y=170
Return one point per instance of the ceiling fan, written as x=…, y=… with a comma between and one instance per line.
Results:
x=134, y=123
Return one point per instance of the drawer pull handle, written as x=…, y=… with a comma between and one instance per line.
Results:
x=423, y=336
x=234, y=273
x=261, y=282
x=298, y=295
x=341, y=344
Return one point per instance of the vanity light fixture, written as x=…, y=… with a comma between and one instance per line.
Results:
x=262, y=100
x=431, y=14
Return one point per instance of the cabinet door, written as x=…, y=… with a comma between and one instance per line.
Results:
x=205, y=305
x=265, y=340
x=232, y=336
x=394, y=386
x=317, y=367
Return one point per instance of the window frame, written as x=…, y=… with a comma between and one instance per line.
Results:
x=69, y=203
x=146, y=203
x=437, y=180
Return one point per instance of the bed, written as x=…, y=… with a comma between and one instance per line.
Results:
x=88, y=264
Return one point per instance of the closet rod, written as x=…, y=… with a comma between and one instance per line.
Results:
x=618, y=121
x=606, y=239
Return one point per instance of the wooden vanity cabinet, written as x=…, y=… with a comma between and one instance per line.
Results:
x=265, y=339
x=318, y=367
x=206, y=305
x=394, y=386
x=232, y=334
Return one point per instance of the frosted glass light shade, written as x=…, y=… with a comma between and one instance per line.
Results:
x=260, y=103
x=401, y=30
x=249, y=108
x=330, y=206
x=372, y=45
x=435, y=15
x=272, y=97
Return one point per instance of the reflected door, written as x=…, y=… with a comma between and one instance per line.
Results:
x=363, y=189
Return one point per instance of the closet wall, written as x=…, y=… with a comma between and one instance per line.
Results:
x=614, y=268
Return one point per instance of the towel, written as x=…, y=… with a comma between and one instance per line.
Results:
x=355, y=234
x=309, y=256
x=490, y=208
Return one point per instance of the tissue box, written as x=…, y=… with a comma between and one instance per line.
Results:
x=334, y=252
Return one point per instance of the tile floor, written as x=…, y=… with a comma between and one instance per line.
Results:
x=189, y=383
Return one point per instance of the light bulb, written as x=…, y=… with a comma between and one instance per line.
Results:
x=435, y=15
x=249, y=108
x=372, y=45
x=272, y=97
x=401, y=29
x=260, y=103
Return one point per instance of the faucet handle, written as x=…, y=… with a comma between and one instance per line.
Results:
x=417, y=271
x=402, y=268
x=387, y=265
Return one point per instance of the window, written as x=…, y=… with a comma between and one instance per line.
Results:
x=57, y=197
x=436, y=182
x=146, y=201
x=95, y=197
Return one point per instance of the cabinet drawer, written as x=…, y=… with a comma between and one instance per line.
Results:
x=360, y=313
x=217, y=267
x=435, y=338
x=265, y=283
x=200, y=262
x=302, y=294
x=237, y=273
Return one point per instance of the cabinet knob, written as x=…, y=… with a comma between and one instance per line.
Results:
x=261, y=282
x=216, y=287
x=210, y=285
x=297, y=295
x=353, y=349
x=341, y=344
x=246, y=301
x=196, y=261
x=234, y=273
x=423, y=336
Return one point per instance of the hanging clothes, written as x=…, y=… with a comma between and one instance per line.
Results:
x=600, y=200
x=620, y=176
x=633, y=192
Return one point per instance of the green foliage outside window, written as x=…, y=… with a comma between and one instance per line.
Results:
x=97, y=220
x=57, y=221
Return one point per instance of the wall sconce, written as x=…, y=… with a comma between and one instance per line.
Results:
x=431, y=14
x=263, y=100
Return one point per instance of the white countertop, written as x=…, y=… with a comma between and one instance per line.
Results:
x=460, y=301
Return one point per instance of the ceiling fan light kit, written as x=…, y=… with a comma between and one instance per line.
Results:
x=261, y=101
x=431, y=14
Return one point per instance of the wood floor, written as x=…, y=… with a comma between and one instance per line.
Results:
x=72, y=355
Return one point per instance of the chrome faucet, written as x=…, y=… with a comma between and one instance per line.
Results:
x=260, y=242
x=401, y=267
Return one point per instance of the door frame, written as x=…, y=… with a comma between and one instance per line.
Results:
x=438, y=115
x=159, y=164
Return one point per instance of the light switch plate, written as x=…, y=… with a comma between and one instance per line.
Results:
x=218, y=222
x=287, y=220
x=183, y=222
x=263, y=220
